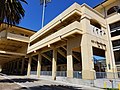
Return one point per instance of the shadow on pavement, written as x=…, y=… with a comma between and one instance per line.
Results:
x=6, y=81
x=51, y=87
x=19, y=80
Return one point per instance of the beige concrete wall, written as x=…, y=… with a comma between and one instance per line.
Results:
x=104, y=7
x=79, y=34
x=110, y=19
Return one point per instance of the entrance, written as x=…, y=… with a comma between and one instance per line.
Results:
x=99, y=62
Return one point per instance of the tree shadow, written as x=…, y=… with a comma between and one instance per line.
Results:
x=18, y=80
x=51, y=87
x=6, y=81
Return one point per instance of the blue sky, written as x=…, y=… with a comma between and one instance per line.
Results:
x=33, y=11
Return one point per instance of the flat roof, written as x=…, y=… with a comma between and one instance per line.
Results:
x=19, y=27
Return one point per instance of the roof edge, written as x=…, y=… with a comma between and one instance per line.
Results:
x=20, y=27
x=100, y=4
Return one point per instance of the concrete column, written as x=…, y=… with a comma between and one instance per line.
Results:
x=39, y=65
x=10, y=68
x=17, y=67
x=69, y=62
x=22, y=67
x=29, y=66
x=88, y=71
x=13, y=69
x=71, y=44
x=110, y=60
x=54, y=64
x=0, y=68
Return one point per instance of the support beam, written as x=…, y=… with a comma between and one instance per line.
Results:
x=75, y=57
x=29, y=66
x=62, y=53
x=54, y=64
x=69, y=63
x=44, y=55
x=12, y=53
x=39, y=65
x=34, y=58
x=7, y=56
x=64, y=48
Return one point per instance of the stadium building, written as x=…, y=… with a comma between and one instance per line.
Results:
x=81, y=42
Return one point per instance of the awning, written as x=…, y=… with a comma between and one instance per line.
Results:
x=98, y=58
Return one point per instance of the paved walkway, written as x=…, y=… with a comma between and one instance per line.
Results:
x=6, y=84
x=23, y=83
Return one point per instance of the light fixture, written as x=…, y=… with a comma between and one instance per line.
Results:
x=34, y=51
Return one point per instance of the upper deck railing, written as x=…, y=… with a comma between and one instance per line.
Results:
x=72, y=28
x=13, y=36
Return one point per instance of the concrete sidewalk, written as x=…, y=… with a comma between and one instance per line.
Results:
x=46, y=84
x=6, y=84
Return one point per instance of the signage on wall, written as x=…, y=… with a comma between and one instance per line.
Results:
x=99, y=44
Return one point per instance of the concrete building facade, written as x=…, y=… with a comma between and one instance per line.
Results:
x=13, y=47
x=79, y=30
x=69, y=43
x=111, y=11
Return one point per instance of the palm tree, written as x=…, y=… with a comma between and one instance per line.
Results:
x=11, y=11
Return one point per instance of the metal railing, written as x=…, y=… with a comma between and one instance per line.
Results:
x=77, y=74
x=101, y=75
x=96, y=31
x=48, y=73
x=61, y=73
x=33, y=73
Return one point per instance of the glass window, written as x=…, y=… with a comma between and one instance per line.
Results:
x=116, y=43
x=112, y=10
x=115, y=26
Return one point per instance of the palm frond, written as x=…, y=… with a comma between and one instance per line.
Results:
x=11, y=11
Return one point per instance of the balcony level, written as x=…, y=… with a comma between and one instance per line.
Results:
x=73, y=13
x=71, y=29
x=13, y=36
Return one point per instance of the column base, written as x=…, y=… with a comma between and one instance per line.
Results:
x=0, y=68
x=112, y=75
x=28, y=74
x=69, y=74
x=53, y=77
x=88, y=74
x=38, y=76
